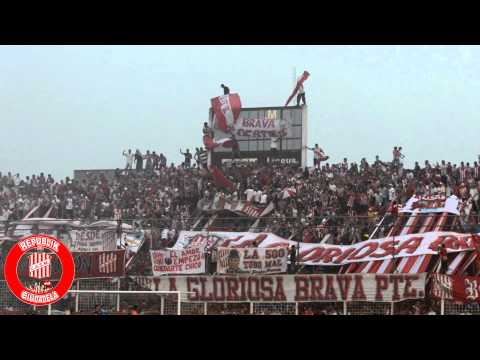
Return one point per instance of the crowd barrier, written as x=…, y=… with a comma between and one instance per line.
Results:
x=167, y=304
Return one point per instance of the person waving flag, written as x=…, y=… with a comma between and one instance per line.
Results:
x=299, y=87
x=318, y=155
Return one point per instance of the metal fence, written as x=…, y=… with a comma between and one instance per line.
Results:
x=452, y=308
x=111, y=302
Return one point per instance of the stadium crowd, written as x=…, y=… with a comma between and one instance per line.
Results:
x=345, y=200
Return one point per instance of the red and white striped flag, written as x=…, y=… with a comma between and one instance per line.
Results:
x=461, y=262
x=220, y=180
x=211, y=143
x=226, y=110
x=289, y=192
x=268, y=209
x=107, y=262
x=39, y=265
x=300, y=82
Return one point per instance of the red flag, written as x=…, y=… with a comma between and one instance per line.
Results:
x=220, y=179
x=211, y=143
x=393, y=209
x=302, y=79
x=226, y=110
x=289, y=192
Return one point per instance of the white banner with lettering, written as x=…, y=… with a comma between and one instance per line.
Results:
x=291, y=288
x=187, y=261
x=220, y=203
x=93, y=240
x=252, y=260
x=432, y=204
x=324, y=254
x=247, y=128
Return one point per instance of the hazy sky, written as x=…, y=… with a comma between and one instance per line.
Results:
x=77, y=107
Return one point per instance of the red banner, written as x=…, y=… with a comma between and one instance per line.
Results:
x=211, y=143
x=99, y=264
x=457, y=288
x=226, y=110
x=220, y=180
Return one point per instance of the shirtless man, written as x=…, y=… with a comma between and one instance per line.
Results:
x=318, y=155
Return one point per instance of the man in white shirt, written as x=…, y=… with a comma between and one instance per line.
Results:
x=129, y=159
x=16, y=180
x=273, y=147
x=274, y=143
x=69, y=207
x=392, y=194
x=250, y=194
x=257, y=196
x=263, y=199
x=171, y=234
x=164, y=236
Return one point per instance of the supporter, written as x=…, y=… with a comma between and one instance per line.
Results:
x=129, y=160
x=250, y=194
x=308, y=311
x=99, y=310
x=188, y=158
x=293, y=260
x=162, y=161
x=139, y=160
x=149, y=161
x=155, y=161
x=167, y=197
x=273, y=147
x=319, y=155
x=206, y=130
x=226, y=89
x=442, y=252
x=257, y=196
x=134, y=310
x=301, y=95
x=196, y=157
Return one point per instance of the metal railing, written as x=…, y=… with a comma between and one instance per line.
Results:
x=116, y=296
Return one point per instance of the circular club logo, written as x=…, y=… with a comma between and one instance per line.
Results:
x=40, y=251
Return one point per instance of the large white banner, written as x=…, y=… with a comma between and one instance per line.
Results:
x=434, y=203
x=291, y=288
x=93, y=240
x=246, y=128
x=221, y=203
x=252, y=260
x=186, y=261
x=131, y=241
x=324, y=254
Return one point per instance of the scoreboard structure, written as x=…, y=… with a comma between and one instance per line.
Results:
x=254, y=130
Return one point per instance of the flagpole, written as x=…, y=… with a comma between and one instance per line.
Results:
x=294, y=77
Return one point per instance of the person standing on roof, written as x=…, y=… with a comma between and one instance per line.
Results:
x=129, y=159
x=207, y=130
x=301, y=95
x=188, y=158
x=226, y=89
x=139, y=160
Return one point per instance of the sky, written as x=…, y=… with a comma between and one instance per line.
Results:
x=78, y=107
